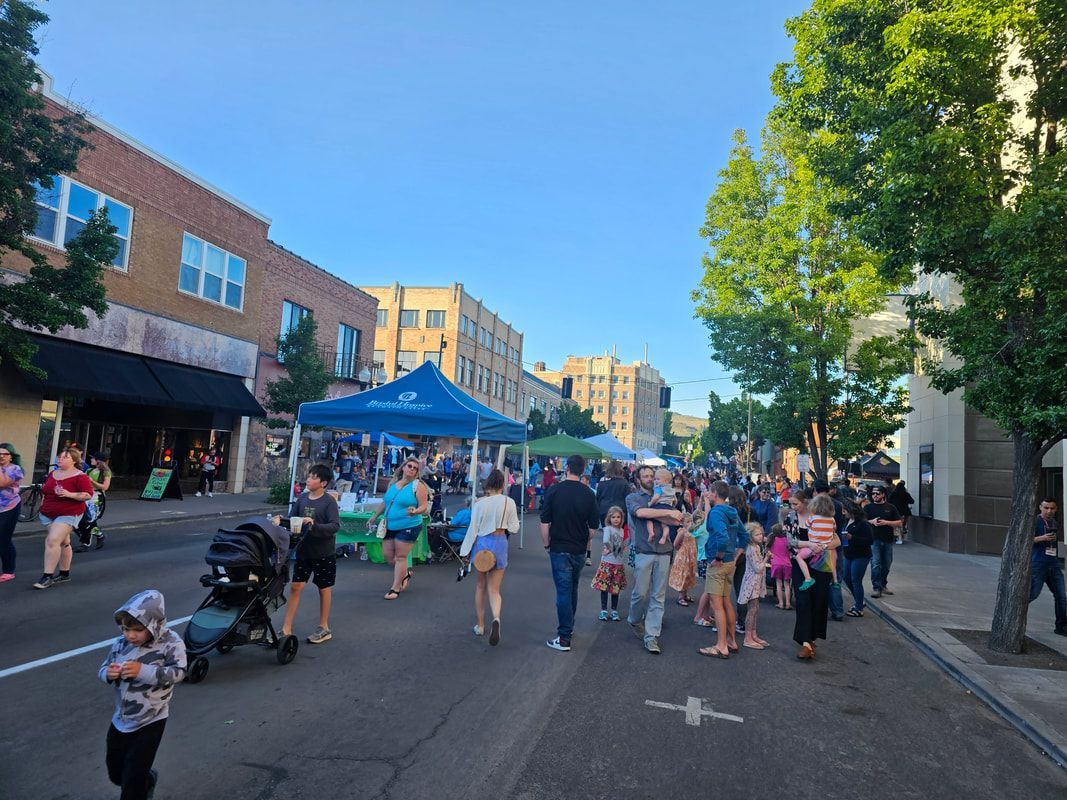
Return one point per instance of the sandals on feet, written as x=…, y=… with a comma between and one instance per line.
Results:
x=392, y=594
x=683, y=602
x=703, y=623
x=404, y=583
x=712, y=652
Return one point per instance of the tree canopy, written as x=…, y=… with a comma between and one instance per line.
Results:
x=577, y=421
x=308, y=377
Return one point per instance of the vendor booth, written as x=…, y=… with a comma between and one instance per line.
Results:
x=612, y=447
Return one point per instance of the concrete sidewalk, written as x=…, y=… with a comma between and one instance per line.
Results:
x=940, y=596
x=133, y=512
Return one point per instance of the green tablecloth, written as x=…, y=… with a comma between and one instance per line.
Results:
x=354, y=531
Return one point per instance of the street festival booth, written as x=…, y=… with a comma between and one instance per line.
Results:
x=423, y=402
x=612, y=446
x=651, y=459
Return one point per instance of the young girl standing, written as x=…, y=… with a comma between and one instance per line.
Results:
x=683, y=574
x=781, y=568
x=610, y=578
x=754, y=584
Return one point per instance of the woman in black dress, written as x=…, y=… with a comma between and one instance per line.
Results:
x=812, y=605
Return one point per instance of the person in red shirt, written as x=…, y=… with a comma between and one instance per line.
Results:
x=209, y=466
x=66, y=491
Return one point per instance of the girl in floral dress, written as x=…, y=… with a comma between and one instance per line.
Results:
x=754, y=584
x=610, y=578
x=683, y=575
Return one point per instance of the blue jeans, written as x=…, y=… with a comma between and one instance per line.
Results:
x=855, y=570
x=1050, y=573
x=566, y=572
x=837, y=606
x=881, y=561
x=649, y=592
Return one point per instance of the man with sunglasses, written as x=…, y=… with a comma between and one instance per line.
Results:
x=885, y=523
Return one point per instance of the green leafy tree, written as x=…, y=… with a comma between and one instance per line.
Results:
x=541, y=427
x=577, y=422
x=785, y=283
x=725, y=420
x=308, y=377
x=942, y=126
x=34, y=147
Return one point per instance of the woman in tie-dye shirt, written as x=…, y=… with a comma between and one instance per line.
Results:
x=10, y=481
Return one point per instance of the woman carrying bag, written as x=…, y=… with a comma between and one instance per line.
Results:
x=406, y=500
x=486, y=543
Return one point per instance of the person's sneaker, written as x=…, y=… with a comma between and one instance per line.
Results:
x=60, y=578
x=886, y=590
x=198, y=494
x=210, y=494
x=900, y=540
x=603, y=616
x=876, y=593
x=589, y=562
x=739, y=627
x=638, y=628
x=45, y=582
x=99, y=537
x=807, y=584
x=614, y=614
x=81, y=548
x=563, y=645
x=478, y=630
x=494, y=633
x=652, y=646
x=7, y=576
x=320, y=635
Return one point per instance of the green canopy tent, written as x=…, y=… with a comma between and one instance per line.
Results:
x=559, y=445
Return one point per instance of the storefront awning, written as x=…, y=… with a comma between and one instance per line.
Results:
x=198, y=388
x=97, y=373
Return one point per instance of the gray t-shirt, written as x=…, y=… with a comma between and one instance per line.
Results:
x=638, y=529
x=320, y=540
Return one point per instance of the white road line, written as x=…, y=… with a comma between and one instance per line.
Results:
x=40, y=662
x=695, y=710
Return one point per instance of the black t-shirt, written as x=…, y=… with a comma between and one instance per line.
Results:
x=859, y=545
x=882, y=533
x=612, y=492
x=571, y=509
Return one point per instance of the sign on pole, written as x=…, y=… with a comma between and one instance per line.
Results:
x=803, y=463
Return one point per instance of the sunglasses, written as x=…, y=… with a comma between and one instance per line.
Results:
x=4, y=453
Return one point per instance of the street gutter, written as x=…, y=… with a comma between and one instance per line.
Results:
x=261, y=509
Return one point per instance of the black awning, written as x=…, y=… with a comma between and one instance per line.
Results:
x=190, y=387
x=84, y=371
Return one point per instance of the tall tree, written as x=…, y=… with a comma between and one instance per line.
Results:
x=943, y=129
x=578, y=422
x=541, y=427
x=308, y=376
x=34, y=148
x=726, y=420
x=785, y=283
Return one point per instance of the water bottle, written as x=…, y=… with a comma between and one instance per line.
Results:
x=363, y=556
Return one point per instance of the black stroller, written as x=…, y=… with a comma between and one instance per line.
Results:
x=249, y=570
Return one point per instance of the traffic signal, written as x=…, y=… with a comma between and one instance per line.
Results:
x=567, y=388
x=665, y=397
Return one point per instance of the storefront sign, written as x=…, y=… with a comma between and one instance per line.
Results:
x=161, y=483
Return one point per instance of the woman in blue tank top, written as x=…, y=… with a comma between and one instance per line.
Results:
x=405, y=502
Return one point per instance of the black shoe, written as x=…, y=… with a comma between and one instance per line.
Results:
x=1061, y=631
x=60, y=578
x=837, y=618
x=99, y=541
x=153, y=778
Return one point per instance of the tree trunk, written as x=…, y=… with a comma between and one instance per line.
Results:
x=1013, y=586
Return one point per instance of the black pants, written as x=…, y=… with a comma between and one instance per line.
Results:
x=739, y=576
x=7, y=547
x=130, y=757
x=207, y=479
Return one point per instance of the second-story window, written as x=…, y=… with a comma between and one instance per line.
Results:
x=64, y=210
x=211, y=273
x=435, y=319
x=383, y=318
x=347, y=350
x=409, y=318
x=291, y=316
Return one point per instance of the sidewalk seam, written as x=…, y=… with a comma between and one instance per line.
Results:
x=1000, y=704
x=262, y=508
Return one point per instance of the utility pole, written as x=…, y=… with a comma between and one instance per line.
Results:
x=749, y=453
x=441, y=350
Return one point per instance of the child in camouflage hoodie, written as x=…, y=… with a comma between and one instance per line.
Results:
x=143, y=665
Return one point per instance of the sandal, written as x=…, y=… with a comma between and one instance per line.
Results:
x=734, y=649
x=683, y=602
x=853, y=613
x=703, y=623
x=392, y=594
x=712, y=652
x=404, y=583
x=754, y=646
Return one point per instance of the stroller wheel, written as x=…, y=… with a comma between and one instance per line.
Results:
x=287, y=647
x=197, y=670
x=224, y=648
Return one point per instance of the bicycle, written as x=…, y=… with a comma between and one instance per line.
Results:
x=31, y=498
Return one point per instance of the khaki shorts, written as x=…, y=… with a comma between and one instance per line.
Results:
x=720, y=580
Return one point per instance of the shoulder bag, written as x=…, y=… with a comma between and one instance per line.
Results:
x=485, y=560
x=383, y=523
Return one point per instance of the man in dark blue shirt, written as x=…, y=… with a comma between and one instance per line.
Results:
x=1045, y=566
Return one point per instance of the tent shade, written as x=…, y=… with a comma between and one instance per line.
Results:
x=611, y=446
x=559, y=445
x=424, y=402
x=376, y=437
x=881, y=465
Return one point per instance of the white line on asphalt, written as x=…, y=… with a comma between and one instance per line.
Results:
x=694, y=711
x=40, y=662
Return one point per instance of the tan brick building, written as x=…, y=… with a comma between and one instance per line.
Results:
x=478, y=351
x=624, y=397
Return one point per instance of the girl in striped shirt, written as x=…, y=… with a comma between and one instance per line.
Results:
x=821, y=530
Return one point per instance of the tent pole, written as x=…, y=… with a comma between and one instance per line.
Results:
x=378, y=463
x=294, y=452
x=473, y=476
x=525, y=481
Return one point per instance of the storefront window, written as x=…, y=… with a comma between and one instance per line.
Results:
x=926, y=480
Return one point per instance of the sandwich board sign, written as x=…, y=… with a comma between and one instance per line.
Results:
x=161, y=483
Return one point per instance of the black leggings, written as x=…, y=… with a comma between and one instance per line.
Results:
x=207, y=482
x=130, y=757
x=8, y=519
x=604, y=601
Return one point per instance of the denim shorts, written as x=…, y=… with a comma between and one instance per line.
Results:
x=66, y=520
x=405, y=534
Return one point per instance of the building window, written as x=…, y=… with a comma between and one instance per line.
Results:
x=624, y=426
x=431, y=356
x=435, y=319
x=406, y=361
x=463, y=324
x=600, y=379
x=600, y=394
x=211, y=273
x=600, y=409
x=379, y=358
x=581, y=379
x=578, y=394
x=614, y=395
x=383, y=318
x=625, y=379
x=496, y=385
x=64, y=210
x=614, y=378
x=524, y=399
x=625, y=410
x=347, y=350
x=613, y=423
x=926, y=480
x=544, y=406
x=625, y=395
x=461, y=368
x=291, y=316
x=533, y=403
x=409, y=318
x=470, y=372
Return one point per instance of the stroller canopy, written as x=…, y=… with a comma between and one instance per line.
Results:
x=255, y=544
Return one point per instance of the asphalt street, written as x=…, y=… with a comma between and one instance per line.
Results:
x=405, y=703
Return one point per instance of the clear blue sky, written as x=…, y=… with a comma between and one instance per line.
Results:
x=553, y=156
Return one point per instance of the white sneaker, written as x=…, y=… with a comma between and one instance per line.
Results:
x=478, y=630
x=210, y=494
x=198, y=494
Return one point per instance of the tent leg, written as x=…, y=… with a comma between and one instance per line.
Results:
x=294, y=453
x=525, y=482
x=378, y=464
x=473, y=477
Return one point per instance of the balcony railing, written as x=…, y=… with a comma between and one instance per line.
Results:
x=350, y=367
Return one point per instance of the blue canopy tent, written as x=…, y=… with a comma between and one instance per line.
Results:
x=390, y=440
x=424, y=402
x=612, y=446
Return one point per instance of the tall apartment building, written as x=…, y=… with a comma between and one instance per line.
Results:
x=476, y=349
x=624, y=397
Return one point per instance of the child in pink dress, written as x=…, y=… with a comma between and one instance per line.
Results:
x=781, y=568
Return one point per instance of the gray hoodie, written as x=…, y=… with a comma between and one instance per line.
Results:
x=146, y=698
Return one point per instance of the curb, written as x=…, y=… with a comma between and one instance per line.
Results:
x=1002, y=706
x=261, y=508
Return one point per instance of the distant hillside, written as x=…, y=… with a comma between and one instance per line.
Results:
x=684, y=426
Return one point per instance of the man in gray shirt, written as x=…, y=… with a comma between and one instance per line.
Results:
x=652, y=564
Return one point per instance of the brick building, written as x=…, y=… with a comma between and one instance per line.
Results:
x=539, y=394
x=345, y=317
x=168, y=370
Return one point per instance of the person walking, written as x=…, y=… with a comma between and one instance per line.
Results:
x=569, y=521
x=858, y=537
x=65, y=493
x=209, y=466
x=724, y=533
x=652, y=560
x=902, y=502
x=612, y=489
x=739, y=500
x=1045, y=566
x=494, y=516
x=405, y=501
x=813, y=606
x=885, y=522
x=11, y=476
